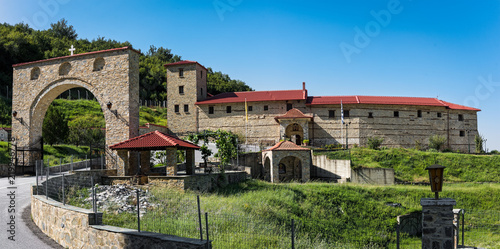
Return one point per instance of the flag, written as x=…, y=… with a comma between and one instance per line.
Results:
x=246, y=110
x=341, y=112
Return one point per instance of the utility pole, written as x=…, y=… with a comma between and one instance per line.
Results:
x=347, y=135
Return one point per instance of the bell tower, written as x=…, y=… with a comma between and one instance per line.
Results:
x=186, y=84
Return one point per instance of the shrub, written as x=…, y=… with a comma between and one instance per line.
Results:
x=478, y=140
x=437, y=142
x=375, y=142
x=418, y=145
x=495, y=152
x=305, y=141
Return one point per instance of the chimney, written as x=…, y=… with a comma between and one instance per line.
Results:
x=303, y=86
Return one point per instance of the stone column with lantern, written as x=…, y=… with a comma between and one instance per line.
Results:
x=437, y=214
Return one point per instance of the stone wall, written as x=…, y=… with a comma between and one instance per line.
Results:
x=200, y=182
x=324, y=168
x=74, y=227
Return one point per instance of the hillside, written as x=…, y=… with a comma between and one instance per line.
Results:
x=409, y=164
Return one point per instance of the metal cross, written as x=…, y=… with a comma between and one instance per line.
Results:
x=72, y=49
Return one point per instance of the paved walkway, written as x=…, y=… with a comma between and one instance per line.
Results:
x=14, y=199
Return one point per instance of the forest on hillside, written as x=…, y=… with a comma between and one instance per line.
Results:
x=20, y=43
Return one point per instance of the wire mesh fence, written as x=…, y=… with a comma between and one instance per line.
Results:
x=169, y=212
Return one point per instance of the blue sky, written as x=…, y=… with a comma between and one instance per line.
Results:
x=420, y=48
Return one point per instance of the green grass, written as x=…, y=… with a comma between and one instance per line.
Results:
x=409, y=164
x=64, y=152
x=346, y=215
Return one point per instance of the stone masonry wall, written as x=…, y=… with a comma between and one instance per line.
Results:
x=74, y=227
x=37, y=84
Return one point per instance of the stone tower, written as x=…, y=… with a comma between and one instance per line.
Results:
x=186, y=84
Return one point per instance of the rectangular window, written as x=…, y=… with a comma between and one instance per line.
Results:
x=250, y=108
x=186, y=108
x=201, y=74
x=438, y=114
x=201, y=91
x=181, y=89
x=331, y=113
x=228, y=109
x=396, y=114
x=266, y=108
x=289, y=106
x=419, y=113
x=210, y=110
x=176, y=108
x=462, y=133
x=460, y=117
x=181, y=72
x=370, y=115
x=346, y=113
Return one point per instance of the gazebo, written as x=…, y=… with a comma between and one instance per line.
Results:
x=286, y=161
x=153, y=141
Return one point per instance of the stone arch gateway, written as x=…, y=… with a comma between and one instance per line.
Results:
x=116, y=83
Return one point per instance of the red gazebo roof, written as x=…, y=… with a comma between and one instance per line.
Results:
x=154, y=140
x=286, y=145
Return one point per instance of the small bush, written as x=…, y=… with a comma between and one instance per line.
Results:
x=418, y=145
x=375, y=142
x=495, y=152
x=437, y=142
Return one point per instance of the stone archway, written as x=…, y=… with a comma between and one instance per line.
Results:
x=295, y=133
x=290, y=168
x=115, y=81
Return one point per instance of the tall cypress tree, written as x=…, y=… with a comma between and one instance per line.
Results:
x=55, y=126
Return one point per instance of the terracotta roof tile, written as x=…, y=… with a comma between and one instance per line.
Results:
x=152, y=141
x=286, y=145
x=293, y=113
x=254, y=96
x=384, y=100
x=76, y=55
x=185, y=62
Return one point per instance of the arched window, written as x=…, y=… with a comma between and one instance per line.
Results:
x=64, y=69
x=99, y=64
x=35, y=73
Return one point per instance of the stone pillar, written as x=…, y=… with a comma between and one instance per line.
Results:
x=437, y=223
x=145, y=161
x=123, y=166
x=275, y=169
x=190, y=169
x=171, y=161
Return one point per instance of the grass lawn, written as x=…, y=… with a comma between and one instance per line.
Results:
x=344, y=215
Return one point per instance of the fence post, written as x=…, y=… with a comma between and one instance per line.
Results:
x=206, y=227
x=199, y=217
x=293, y=234
x=36, y=173
x=397, y=234
x=47, y=185
x=64, y=200
x=93, y=193
x=60, y=165
x=138, y=213
x=71, y=164
x=102, y=162
x=463, y=225
x=86, y=163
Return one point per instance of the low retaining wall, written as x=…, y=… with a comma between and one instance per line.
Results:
x=199, y=182
x=377, y=176
x=324, y=168
x=74, y=227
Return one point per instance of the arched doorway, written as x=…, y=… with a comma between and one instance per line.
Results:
x=290, y=169
x=267, y=169
x=295, y=132
x=114, y=82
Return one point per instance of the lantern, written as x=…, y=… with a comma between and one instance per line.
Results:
x=436, y=178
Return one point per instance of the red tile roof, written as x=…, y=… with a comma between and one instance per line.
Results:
x=286, y=145
x=293, y=113
x=255, y=96
x=383, y=100
x=183, y=63
x=76, y=55
x=154, y=140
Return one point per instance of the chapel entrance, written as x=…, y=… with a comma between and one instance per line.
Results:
x=290, y=169
x=112, y=76
x=295, y=132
